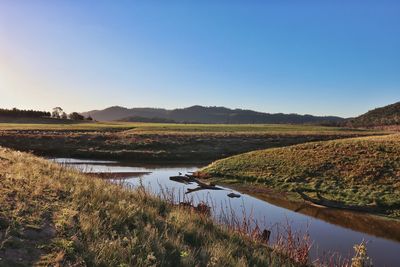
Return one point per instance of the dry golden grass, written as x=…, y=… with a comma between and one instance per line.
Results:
x=50, y=215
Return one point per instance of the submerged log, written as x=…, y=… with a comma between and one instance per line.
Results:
x=181, y=179
x=202, y=187
x=233, y=195
x=188, y=179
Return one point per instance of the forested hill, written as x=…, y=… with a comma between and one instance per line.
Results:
x=384, y=116
x=200, y=114
x=18, y=113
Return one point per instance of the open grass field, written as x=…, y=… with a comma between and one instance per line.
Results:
x=53, y=216
x=239, y=128
x=160, y=142
x=360, y=173
x=180, y=128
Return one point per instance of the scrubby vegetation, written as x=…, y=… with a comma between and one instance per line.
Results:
x=50, y=215
x=360, y=173
x=384, y=116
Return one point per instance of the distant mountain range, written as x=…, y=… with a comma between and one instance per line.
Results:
x=200, y=114
x=384, y=116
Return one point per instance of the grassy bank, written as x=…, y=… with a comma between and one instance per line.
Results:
x=50, y=215
x=160, y=142
x=358, y=173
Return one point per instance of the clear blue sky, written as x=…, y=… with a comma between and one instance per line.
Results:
x=317, y=57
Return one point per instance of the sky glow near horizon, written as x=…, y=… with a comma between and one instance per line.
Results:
x=333, y=58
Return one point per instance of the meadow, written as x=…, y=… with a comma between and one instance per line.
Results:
x=178, y=128
x=160, y=142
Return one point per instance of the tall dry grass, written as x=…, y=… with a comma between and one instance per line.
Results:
x=97, y=223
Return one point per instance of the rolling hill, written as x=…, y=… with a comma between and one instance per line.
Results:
x=200, y=114
x=384, y=116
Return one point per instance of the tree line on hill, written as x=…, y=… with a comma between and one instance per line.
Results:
x=16, y=113
x=57, y=113
x=384, y=116
x=201, y=114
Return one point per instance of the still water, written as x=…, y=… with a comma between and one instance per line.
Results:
x=331, y=230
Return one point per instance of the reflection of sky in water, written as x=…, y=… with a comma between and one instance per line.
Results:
x=326, y=236
x=82, y=161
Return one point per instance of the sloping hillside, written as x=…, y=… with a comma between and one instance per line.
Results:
x=384, y=116
x=200, y=114
x=361, y=173
x=118, y=113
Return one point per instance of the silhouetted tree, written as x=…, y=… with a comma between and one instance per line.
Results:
x=57, y=112
x=76, y=116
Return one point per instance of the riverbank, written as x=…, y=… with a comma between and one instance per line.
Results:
x=324, y=227
x=364, y=222
x=52, y=215
x=358, y=173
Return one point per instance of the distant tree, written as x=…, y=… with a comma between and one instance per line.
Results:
x=89, y=118
x=76, y=116
x=64, y=116
x=57, y=112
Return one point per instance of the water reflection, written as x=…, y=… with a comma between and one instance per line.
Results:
x=331, y=229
